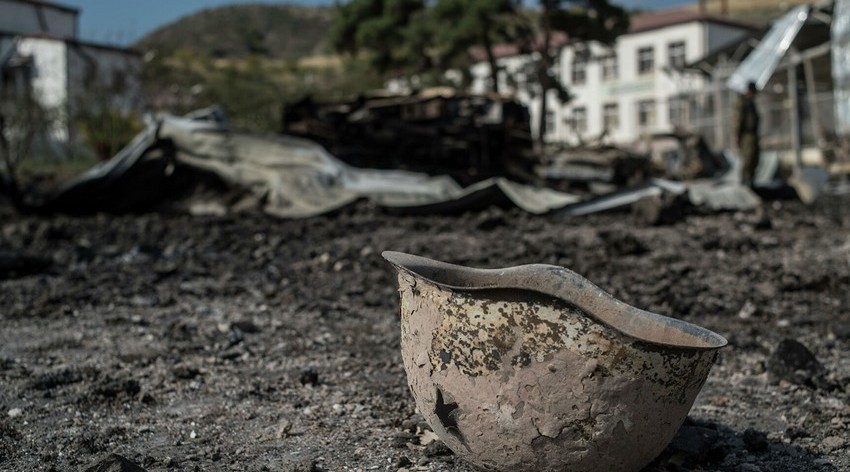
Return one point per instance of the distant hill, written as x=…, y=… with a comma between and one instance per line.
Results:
x=275, y=31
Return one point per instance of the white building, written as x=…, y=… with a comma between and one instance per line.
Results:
x=40, y=53
x=628, y=90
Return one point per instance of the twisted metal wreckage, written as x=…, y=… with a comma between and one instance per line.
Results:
x=197, y=163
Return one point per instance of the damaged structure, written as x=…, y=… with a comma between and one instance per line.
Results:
x=42, y=55
x=798, y=68
x=198, y=164
x=470, y=137
x=624, y=92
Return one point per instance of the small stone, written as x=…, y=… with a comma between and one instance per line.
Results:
x=309, y=377
x=833, y=443
x=409, y=425
x=841, y=331
x=793, y=362
x=747, y=311
x=185, y=372
x=401, y=440
x=437, y=449
x=246, y=326
x=15, y=412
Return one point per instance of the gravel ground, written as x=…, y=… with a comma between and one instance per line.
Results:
x=167, y=342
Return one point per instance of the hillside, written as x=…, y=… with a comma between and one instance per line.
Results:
x=275, y=31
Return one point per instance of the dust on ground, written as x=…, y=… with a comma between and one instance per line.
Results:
x=255, y=344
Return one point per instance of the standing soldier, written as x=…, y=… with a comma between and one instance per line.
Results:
x=747, y=133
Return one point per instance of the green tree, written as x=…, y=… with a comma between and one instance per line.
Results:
x=580, y=21
x=23, y=122
x=396, y=34
x=474, y=23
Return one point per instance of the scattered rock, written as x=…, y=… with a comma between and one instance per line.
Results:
x=246, y=326
x=309, y=377
x=14, y=412
x=185, y=372
x=747, y=311
x=437, y=449
x=841, y=331
x=833, y=443
x=793, y=362
x=114, y=463
x=401, y=440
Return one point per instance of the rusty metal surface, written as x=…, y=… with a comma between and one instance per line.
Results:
x=525, y=368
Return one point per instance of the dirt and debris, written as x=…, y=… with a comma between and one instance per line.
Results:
x=124, y=343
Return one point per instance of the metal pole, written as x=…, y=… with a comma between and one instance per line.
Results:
x=808, y=70
x=719, y=117
x=794, y=112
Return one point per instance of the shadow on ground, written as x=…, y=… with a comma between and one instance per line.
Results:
x=706, y=445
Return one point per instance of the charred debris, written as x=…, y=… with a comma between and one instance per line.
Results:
x=437, y=151
x=437, y=131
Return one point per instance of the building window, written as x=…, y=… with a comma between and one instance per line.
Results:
x=579, y=70
x=580, y=120
x=610, y=116
x=676, y=54
x=609, y=67
x=646, y=60
x=678, y=111
x=646, y=113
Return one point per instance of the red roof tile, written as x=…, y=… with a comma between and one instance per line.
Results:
x=674, y=16
x=639, y=23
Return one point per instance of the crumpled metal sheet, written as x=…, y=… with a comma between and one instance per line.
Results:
x=495, y=191
x=291, y=177
x=760, y=65
x=720, y=196
x=623, y=198
x=841, y=65
x=294, y=177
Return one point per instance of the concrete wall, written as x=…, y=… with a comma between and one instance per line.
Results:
x=29, y=18
x=50, y=77
x=70, y=75
x=49, y=80
x=630, y=86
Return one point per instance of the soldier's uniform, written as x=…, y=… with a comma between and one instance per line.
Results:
x=747, y=129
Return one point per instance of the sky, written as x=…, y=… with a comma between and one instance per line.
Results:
x=122, y=22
